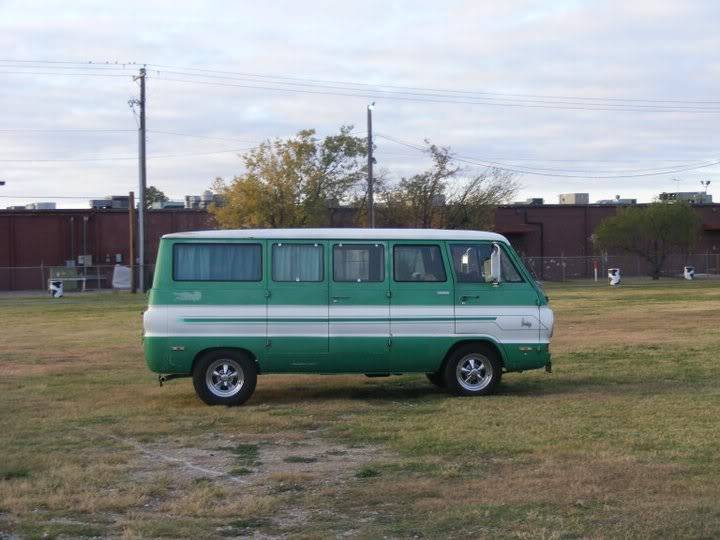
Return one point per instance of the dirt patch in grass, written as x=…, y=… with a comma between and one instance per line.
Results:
x=254, y=480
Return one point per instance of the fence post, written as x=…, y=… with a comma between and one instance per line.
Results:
x=131, y=241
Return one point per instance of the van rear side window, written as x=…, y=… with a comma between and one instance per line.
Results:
x=297, y=262
x=217, y=262
x=358, y=262
x=418, y=263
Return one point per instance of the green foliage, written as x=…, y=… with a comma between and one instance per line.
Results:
x=293, y=182
x=153, y=195
x=653, y=231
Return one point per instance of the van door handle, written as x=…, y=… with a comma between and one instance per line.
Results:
x=466, y=297
x=336, y=299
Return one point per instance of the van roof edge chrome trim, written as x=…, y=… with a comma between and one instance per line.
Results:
x=342, y=234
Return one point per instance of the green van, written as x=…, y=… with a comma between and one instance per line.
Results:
x=228, y=305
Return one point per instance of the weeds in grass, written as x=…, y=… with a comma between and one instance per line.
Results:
x=240, y=471
x=300, y=459
x=367, y=472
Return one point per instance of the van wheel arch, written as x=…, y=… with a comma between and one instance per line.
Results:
x=462, y=343
x=203, y=352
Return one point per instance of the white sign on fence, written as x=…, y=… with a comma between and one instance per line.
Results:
x=121, y=277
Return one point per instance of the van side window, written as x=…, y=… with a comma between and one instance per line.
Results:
x=217, y=262
x=358, y=262
x=297, y=262
x=418, y=263
x=472, y=264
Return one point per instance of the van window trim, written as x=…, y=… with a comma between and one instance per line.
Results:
x=262, y=261
x=294, y=242
x=341, y=244
x=429, y=244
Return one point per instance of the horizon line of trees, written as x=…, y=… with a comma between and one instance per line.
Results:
x=296, y=182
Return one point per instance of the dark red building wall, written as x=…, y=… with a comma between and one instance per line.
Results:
x=49, y=238
x=557, y=230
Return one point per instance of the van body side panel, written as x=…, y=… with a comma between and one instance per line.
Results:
x=524, y=356
x=507, y=311
x=359, y=313
x=421, y=312
x=335, y=326
x=202, y=314
x=156, y=355
x=297, y=317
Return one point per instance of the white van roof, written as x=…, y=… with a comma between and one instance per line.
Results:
x=343, y=234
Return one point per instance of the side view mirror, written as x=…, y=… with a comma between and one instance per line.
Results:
x=495, y=270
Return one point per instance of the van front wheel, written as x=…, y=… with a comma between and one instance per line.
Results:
x=473, y=370
x=224, y=378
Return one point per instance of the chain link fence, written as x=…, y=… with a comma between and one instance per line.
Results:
x=73, y=278
x=100, y=277
x=573, y=268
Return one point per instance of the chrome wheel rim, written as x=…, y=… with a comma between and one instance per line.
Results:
x=224, y=377
x=474, y=372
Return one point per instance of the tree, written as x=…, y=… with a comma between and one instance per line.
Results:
x=293, y=182
x=153, y=195
x=652, y=232
x=472, y=204
x=443, y=196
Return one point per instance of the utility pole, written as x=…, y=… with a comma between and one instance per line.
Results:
x=142, y=173
x=370, y=193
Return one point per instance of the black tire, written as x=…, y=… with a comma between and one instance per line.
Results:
x=437, y=379
x=224, y=377
x=482, y=366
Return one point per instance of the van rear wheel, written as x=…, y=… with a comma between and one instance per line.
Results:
x=224, y=377
x=473, y=370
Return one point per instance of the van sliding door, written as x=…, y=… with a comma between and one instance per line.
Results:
x=359, y=307
x=297, y=324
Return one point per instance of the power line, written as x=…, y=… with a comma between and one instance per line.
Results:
x=487, y=99
x=429, y=99
x=204, y=136
x=86, y=63
x=52, y=196
x=54, y=130
x=64, y=74
x=392, y=91
x=559, y=172
x=124, y=158
x=425, y=89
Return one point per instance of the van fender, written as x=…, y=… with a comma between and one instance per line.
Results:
x=251, y=354
x=485, y=340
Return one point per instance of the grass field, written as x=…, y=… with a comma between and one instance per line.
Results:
x=622, y=440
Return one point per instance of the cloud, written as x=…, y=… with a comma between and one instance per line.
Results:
x=638, y=50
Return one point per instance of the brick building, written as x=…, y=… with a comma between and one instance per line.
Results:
x=40, y=238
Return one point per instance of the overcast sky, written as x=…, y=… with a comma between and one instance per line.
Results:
x=519, y=83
